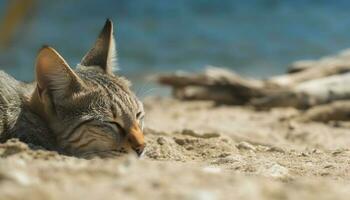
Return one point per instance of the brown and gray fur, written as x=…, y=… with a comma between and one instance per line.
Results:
x=87, y=112
x=16, y=119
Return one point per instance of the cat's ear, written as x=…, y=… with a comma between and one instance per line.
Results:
x=103, y=53
x=54, y=75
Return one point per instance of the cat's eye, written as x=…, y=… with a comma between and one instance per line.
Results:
x=138, y=115
x=118, y=126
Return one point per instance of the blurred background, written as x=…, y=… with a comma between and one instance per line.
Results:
x=256, y=38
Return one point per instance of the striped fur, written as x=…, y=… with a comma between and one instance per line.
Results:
x=90, y=111
x=100, y=117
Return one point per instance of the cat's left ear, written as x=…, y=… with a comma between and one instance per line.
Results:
x=103, y=54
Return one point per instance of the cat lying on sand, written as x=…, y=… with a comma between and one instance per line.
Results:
x=87, y=112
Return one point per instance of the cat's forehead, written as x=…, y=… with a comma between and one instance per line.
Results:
x=96, y=76
x=111, y=92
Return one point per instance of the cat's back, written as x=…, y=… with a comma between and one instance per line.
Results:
x=8, y=86
x=16, y=120
x=9, y=90
x=10, y=99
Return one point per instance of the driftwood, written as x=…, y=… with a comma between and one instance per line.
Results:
x=223, y=86
x=343, y=57
x=301, y=71
x=308, y=84
x=216, y=84
x=309, y=93
x=335, y=111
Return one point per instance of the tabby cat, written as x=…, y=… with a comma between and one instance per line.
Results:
x=85, y=112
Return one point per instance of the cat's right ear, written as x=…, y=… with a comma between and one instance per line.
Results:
x=54, y=75
x=103, y=54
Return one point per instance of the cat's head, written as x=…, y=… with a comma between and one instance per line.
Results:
x=91, y=111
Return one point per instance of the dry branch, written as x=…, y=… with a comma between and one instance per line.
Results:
x=305, y=70
x=335, y=111
x=312, y=83
x=214, y=84
x=309, y=93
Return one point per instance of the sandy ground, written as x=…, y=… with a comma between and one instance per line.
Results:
x=196, y=150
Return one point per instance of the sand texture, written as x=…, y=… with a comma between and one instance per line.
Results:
x=195, y=150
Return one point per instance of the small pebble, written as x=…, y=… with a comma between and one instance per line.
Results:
x=328, y=166
x=161, y=141
x=276, y=149
x=179, y=141
x=245, y=146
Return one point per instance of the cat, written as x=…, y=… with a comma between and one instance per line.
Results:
x=85, y=112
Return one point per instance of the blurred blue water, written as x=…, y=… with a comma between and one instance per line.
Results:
x=255, y=38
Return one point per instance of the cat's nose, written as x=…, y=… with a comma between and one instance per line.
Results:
x=136, y=139
x=140, y=150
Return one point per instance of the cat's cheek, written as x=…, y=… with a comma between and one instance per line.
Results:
x=141, y=123
x=126, y=146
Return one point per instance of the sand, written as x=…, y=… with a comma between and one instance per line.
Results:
x=195, y=150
